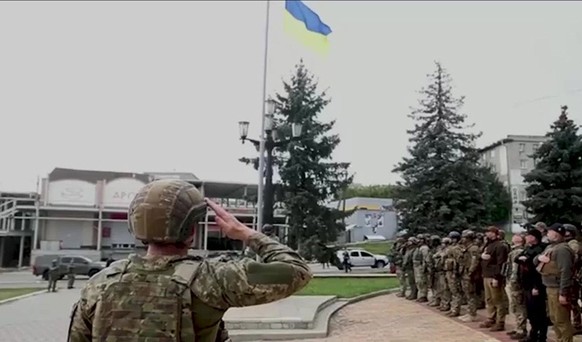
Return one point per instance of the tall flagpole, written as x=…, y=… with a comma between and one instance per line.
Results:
x=262, y=134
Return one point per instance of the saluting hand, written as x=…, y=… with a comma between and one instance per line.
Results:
x=229, y=224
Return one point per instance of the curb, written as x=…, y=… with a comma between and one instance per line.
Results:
x=370, y=295
x=32, y=294
x=353, y=276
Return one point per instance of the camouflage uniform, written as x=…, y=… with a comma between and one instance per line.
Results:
x=419, y=258
x=408, y=267
x=268, y=230
x=396, y=257
x=53, y=273
x=575, y=246
x=431, y=262
x=468, y=267
x=516, y=294
x=452, y=257
x=177, y=297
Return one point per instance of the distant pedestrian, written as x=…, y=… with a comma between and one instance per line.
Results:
x=346, y=262
x=70, y=277
x=53, y=274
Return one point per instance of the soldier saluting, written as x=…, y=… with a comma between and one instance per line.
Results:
x=170, y=296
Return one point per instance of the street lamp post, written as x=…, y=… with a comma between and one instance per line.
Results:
x=271, y=142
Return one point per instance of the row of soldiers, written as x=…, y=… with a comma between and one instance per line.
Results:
x=446, y=266
x=465, y=268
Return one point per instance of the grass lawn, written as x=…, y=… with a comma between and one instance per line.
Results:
x=347, y=287
x=10, y=293
x=381, y=248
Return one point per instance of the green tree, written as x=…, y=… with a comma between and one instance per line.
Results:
x=371, y=191
x=554, y=186
x=309, y=177
x=443, y=187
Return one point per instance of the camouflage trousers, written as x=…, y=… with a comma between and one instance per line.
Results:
x=402, y=281
x=517, y=307
x=420, y=277
x=470, y=292
x=436, y=289
x=454, y=285
x=411, y=283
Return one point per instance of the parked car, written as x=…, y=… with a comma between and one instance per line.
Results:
x=361, y=258
x=81, y=265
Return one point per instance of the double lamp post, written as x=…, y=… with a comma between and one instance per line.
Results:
x=271, y=141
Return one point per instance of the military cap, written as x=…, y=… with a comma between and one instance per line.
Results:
x=558, y=228
x=446, y=240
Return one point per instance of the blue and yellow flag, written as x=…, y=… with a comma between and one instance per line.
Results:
x=306, y=26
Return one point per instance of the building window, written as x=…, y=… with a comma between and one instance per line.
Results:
x=534, y=162
x=523, y=164
x=521, y=148
x=492, y=154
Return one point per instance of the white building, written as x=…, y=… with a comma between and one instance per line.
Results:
x=373, y=218
x=84, y=212
x=511, y=158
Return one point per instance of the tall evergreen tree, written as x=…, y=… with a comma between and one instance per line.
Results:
x=444, y=187
x=554, y=187
x=308, y=175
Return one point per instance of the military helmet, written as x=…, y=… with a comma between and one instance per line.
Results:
x=268, y=229
x=165, y=211
x=435, y=238
x=468, y=234
x=420, y=237
x=446, y=240
x=454, y=235
x=413, y=240
x=402, y=233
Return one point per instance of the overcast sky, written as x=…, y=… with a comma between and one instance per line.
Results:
x=161, y=86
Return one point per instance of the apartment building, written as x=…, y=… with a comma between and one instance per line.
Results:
x=511, y=158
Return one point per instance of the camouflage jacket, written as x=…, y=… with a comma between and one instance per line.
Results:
x=452, y=257
x=397, y=254
x=512, y=268
x=469, y=260
x=419, y=256
x=250, y=253
x=407, y=259
x=217, y=286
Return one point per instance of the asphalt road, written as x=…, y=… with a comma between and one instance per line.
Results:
x=22, y=279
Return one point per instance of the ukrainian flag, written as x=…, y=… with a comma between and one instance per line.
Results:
x=306, y=26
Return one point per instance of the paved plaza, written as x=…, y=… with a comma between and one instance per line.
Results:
x=388, y=318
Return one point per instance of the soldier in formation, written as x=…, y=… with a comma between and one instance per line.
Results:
x=177, y=297
x=536, y=277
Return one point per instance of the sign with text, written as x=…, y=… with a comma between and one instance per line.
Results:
x=118, y=193
x=71, y=192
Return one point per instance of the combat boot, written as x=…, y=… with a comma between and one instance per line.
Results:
x=434, y=304
x=519, y=335
x=400, y=294
x=444, y=308
x=453, y=314
x=487, y=324
x=422, y=300
x=497, y=327
x=468, y=318
x=411, y=297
